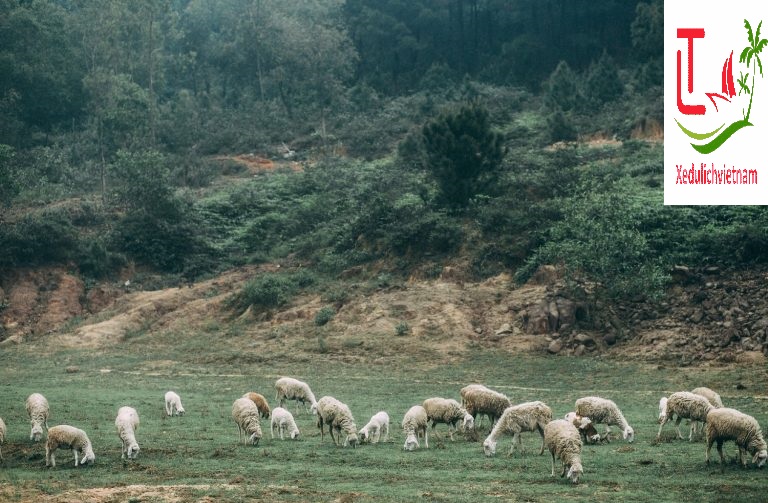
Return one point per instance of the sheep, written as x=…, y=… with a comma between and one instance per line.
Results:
x=338, y=417
x=710, y=395
x=478, y=399
x=261, y=403
x=246, y=416
x=528, y=416
x=684, y=405
x=283, y=420
x=604, y=411
x=725, y=424
x=2, y=436
x=173, y=404
x=585, y=426
x=68, y=437
x=448, y=411
x=38, y=412
x=289, y=388
x=371, y=432
x=127, y=422
x=563, y=440
x=415, y=422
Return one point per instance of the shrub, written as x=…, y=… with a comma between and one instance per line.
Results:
x=266, y=291
x=402, y=328
x=324, y=315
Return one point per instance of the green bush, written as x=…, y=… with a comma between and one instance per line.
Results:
x=324, y=315
x=38, y=239
x=264, y=292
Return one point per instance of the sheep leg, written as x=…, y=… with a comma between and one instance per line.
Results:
x=426, y=438
x=553, y=464
x=281, y=430
x=386, y=432
x=742, y=461
x=663, y=422
x=75, y=453
x=50, y=457
x=608, y=434
x=677, y=427
x=515, y=437
x=722, y=457
x=541, y=432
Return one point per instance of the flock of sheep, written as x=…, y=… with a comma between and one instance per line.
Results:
x=562, y=437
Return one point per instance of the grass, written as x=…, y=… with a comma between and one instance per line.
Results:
x=199, y=455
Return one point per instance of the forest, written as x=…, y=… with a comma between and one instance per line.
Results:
x=405, y=135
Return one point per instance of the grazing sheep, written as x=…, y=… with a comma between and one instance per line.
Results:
x=371, y=432
x=338, y=417
x=415, y=422
x=447, y=411
x=586, y=429
x=246, y=416
x=463, y=392
x=604, y=411
x=478, y=399
x=2, y=436
x=562, y=439
x=684, y=405
x=127, y=422
x=261, y=403
x=289, y=388
x=38, y=412
x=283, y=420
x=713, y=398
x=528, y=416
x=68, y=437
x=725, y=424
x=173, y=404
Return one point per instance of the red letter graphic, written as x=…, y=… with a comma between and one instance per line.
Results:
x=690, y=34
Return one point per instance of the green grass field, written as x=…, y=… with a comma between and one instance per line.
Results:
x=199, y=458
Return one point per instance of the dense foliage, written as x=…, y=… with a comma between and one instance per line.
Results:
x=421, y=134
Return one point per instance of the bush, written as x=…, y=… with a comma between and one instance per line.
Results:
x=324, y=315
x=266, y=291
x=39, y=239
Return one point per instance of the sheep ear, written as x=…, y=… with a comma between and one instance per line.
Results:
x=755, y=457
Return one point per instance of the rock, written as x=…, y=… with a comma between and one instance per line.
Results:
x=544, y=275
x=610, y=339
x=72, y=369
x=580, y=350
x=505, y=329
x=555, y=347
x=584, y=339
x=14, y=339
x=697, y=315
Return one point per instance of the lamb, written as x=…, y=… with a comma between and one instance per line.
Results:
x=68, y=437
x=447, y=411
x=127, y=422
x=585, y=426
x=261, y=403
x=246, y=416
x=562, y=439
x=725, y=424
x=289, y=388
x=529, y=416
x=371, y=432
x=478, y=399
x=338, y=417
x=283, y=420
x=173, y=404
x=2, y=436
x=604, y=411
x=38, y=411
x=710, y=395
x=685, y=405
x=415, y=422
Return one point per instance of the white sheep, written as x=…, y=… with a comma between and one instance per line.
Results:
x=684, y=405
x=562, y=439
x=415, y=423
x=38, y=412
x=585, y=426
x=447, y=411
x=338, y=417
x=173, y=404
x=289, y=388
x=372, y=431
x=127, y=422
x=528, y=416
x=725, y=424
x=604, y=411
x=283, y=420
x=68, y=437
x=2, y=436
x=246, y=416
x=478, y=399
x=712, y=396
x=260, y=401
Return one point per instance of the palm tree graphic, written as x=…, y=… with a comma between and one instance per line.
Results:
x=753, y=50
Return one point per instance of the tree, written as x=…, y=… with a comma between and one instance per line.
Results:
x=462, y=153
x=754, y=48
